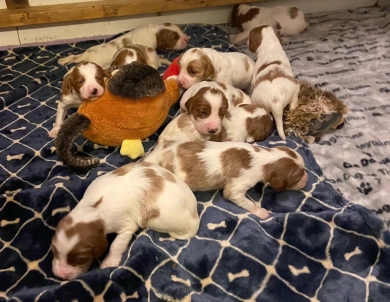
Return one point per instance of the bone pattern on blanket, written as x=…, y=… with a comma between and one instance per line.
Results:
x=314, y=243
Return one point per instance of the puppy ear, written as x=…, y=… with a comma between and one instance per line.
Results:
x=277, y=181
x=208, y=67
x=67, y=87
x=295, y=176
x=190, y=104
x=107, y=73
x=255, y=38
x=99, y=240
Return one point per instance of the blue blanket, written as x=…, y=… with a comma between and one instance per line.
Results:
x=314, y=247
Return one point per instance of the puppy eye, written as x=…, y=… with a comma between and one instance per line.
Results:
x=192, y=72
x=203, y=114
x=81, y=82
x=98, y=78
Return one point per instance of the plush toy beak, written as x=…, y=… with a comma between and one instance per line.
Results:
x=132, y=148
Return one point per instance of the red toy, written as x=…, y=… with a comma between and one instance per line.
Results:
x=173, y=69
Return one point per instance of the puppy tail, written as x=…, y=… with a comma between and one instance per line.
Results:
x=70, y=59
x=277, y=113
x=73, y=127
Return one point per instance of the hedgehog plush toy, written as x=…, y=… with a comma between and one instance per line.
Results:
x=318, y=112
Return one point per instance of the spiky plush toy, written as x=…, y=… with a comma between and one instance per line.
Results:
x=318, y=112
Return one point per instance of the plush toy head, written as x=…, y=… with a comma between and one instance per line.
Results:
x=318, y=112
x=134, y=105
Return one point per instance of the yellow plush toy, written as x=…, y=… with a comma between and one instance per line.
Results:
x=135, y=104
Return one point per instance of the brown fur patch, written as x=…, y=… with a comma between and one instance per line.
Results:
x=121, y=171
x=260, y=127
x=255, y=148
x=237, y=20
x=166, y=39
x=293, y=12
x=223, y=85
x=251, y=108
x=233, y=161
x=147, y=208
x=275, y=74
x=96, y=204
x=201, y=69
x=238, y=99
x=288, y=150
x=169, y=176
x=283, y=174
x=167, y=160
x=194, y=167
x=264, y=66
x=255, y=38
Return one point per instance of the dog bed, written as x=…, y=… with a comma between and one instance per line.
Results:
x=315, y=246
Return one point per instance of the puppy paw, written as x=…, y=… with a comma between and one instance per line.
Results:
x=110, y=262
x=53, y=132
x=261, y=213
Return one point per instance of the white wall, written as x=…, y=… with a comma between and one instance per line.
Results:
x=50, y=33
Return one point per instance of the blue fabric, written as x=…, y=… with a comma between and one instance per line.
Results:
x=314, y=245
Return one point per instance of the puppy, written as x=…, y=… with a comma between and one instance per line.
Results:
x=121, y=201
x=199, y=64
x=165, y=36
x=245, y=123
x=137, y=53
x=234, y=166
x=285, y=20
x=208, y=102
x=273, y=84
x=84, y=81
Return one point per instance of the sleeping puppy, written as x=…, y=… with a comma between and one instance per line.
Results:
x=199, y=64
x=245, y=123
x=137, y=53
x=82, y=82
x=286, y=20
x=273, y=84
x=165, y=36
x=208, y=102
x=136, y=195
x=234, y=166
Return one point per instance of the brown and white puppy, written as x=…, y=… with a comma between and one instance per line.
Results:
x=137, y=195
x=199, y=64
x=208, y=102
x=273, y=83
x=234, y=166
x=286, y=20
x=137, y=53
x=82, y=82
x=245, y=123
x=165, y=36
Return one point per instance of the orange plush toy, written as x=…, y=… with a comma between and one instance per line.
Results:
x=135, y=104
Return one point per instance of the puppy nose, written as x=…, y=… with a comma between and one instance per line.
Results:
x=63, y=273
x=187, y=38
x=94, y=91
x=212, y=131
